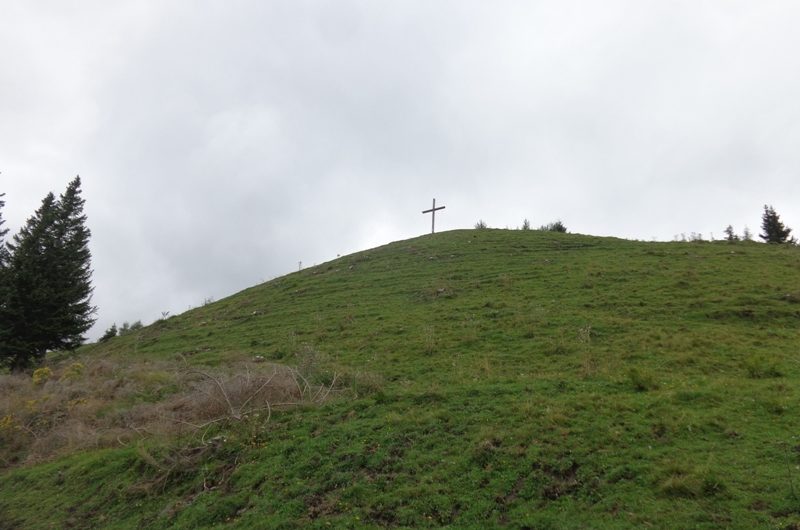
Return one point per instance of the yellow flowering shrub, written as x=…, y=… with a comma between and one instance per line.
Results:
x=41, y=375
x=73, y=371
x=7, y=423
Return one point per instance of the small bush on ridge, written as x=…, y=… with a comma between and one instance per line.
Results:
x=556, y=226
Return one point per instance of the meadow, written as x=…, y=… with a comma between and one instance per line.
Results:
x=468, y=379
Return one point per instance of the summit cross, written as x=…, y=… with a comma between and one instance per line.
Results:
x=432, y=211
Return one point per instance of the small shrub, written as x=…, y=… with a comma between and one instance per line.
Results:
x=130, y=328
x=73, y=371
x=556, y=226
x=8, y=424
x=481, y=225
x=730, y=235
x=109, y=334
x=308, y=360
x=526, y=225
x=483, y=452
x=642, y=381
x=41, y=375
x=713, y=485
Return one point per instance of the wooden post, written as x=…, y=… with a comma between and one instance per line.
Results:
x=432, y=211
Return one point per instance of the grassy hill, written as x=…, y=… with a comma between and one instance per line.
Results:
x=474, y=378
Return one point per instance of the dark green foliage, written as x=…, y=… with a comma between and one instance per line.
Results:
x=30, y=281
x=47, y=303
x=4, y=257
x=73, y=289
x=774, y=231
x=526, y=225
x=129, y=328
x=730, y=235
x=556, y=226
x=109, y=334
x=642, y=381
x=3, y=232
x=481, y=225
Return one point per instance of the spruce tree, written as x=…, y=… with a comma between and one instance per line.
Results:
x=48, y=282
x=730, y=235
x=75, y=274
x=4, y=256
x=31, y=308
x=3, y=232
x=774, y=230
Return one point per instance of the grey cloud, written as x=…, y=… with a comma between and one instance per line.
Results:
x=220, y=144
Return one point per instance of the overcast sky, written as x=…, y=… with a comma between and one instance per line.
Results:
x=220, y=143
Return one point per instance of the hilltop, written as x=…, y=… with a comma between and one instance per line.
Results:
x=473, y=378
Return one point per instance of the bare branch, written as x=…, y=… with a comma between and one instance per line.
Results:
x=221, y=389
x=268, y=381
x=335, y=375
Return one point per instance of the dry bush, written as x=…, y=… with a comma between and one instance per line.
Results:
x=213, y=398
x=106, y=402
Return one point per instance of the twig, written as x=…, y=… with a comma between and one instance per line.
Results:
x=139, y=431
x=306, y=387
x=335, y=375
x=268, y=381
x=295, y=374
x=319, y=391
x=221, y=389
x=30, y=431
x=203, y=438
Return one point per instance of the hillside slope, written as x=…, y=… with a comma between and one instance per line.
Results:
x=493, y=378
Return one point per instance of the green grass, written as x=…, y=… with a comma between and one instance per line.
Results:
x=500, y=378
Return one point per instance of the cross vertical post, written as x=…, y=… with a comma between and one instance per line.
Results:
x=432, y=211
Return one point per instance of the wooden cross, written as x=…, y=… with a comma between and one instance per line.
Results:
x=432, y=211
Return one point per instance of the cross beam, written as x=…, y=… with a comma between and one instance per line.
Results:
x=432, y=211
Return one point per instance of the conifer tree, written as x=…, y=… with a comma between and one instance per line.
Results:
x=48, y=282
x=730, y=235
x=3, y=232
x=75, y=289
x=30, y=308
x=774, y=230
x=3, y=270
